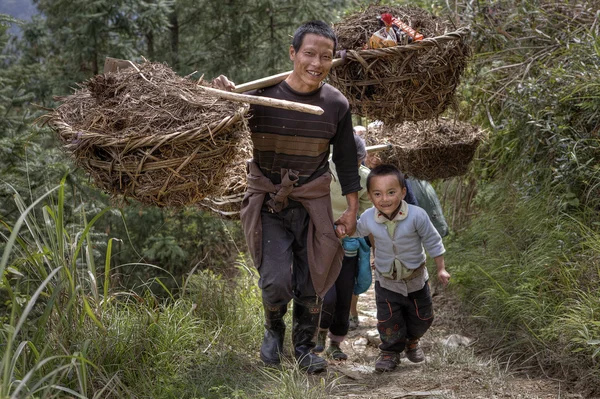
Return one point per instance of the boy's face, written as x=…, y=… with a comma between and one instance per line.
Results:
x=386, y=194
x=312, y=63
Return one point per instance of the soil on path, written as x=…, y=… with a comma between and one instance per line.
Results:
x=452, y=368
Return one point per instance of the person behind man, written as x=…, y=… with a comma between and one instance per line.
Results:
x=286, y=212
x=402, y=233
x=336, y=304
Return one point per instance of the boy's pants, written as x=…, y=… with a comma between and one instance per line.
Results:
x=336, y=304
x=402, y=317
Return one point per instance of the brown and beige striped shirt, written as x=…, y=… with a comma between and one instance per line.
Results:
x=285, y=139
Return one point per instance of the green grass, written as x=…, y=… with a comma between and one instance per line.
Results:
x=69, y=331
x=529, y=272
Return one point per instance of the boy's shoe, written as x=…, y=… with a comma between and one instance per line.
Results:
x=321, y=339
x=413, y=351
x=353, y=322
x=335, y=352
x=387, y=361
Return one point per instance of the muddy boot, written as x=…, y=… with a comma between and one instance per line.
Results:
x=335, y=352
x=413, y=351
x=321, y=339
x=387, y=361
x=306, y=323
x=271, y=349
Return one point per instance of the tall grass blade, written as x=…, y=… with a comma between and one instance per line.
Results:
x=16, y=228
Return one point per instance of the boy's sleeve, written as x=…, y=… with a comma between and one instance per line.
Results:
x=431, y=239
x=361, y=226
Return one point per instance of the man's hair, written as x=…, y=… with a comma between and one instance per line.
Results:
x=316, y=27
x=384, y=170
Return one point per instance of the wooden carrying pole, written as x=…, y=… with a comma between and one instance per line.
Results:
x=266, y=101
x=115, y=64
x=378, y=147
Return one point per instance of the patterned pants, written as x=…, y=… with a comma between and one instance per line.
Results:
x=402, y=317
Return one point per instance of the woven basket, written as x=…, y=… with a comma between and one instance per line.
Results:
x=150, y=136
x=227, y=203
x=429, y=150
x=410, y=82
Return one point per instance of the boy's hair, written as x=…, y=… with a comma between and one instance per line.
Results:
x=316, y=27
x=384, y=170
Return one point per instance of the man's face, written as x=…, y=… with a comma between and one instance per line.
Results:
x=386, y=193
x=312, y=63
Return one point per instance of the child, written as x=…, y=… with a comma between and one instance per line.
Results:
x=402, y=233
x=356, y=270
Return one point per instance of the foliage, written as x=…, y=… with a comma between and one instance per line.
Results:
x=531, y=276
x=524, y=256
x=68, y=328
x=533, y=82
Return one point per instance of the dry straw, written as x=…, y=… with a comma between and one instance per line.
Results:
x=428, y=150
x=147, y=134
x=229, y=201
x=410, y=82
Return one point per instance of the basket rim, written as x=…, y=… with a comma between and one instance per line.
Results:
x=428, y=42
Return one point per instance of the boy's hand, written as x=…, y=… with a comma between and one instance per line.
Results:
x=444, y=277
x=346, y=224
x=340, y=230
x=223, y=83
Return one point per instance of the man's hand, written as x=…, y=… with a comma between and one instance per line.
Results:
x=346, y=224
x=223, y=83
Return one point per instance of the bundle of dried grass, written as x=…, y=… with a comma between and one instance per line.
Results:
x=228, y=202
x=410, y=82
x=147, y=134
x=428, y=150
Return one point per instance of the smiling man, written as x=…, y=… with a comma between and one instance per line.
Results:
x=286, y=213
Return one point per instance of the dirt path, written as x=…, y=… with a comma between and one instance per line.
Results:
x=452, y=370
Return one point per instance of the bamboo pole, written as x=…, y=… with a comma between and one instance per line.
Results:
x=378, y=148
x=266, y=101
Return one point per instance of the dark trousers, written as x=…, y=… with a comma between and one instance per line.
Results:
x=336, y=304
x=284, y=272
x=402, y=317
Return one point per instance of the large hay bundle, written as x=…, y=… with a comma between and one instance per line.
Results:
x=147, y=134
x=411, y=82
x=428, y=150
x=228, y=202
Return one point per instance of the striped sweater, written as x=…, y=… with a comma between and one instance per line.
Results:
x=285, y=139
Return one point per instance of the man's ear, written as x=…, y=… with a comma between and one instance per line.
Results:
x=292, y=52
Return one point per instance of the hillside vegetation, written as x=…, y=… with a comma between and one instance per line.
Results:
x=141, y=302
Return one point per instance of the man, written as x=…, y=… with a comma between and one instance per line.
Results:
x=290, y=232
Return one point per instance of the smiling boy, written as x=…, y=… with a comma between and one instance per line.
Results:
x=286, y=213
x=402, y=232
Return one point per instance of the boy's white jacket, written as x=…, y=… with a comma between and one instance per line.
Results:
x=413, y=234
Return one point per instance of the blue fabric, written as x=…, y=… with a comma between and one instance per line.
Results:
x=411, y=197
x=351, y=244
x=364, y=276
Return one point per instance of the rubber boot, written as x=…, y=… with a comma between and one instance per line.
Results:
x=321, y=340
x=335, y=352
x=306, y=324
x=271, y=349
